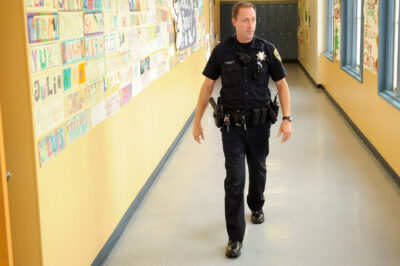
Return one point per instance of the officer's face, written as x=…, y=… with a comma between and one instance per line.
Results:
x=245, y=24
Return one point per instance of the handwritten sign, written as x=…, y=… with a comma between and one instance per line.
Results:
x=111, y=104
x=94, y=46
x=69, y=5
x=124, y=20
x=125, y=94
x=71, y=25
x=93, y=23
x=110, y=22
x=48, y=115
x=74, y=76
x=92, y=5
x=75, y=102
x=45, y=56
x=47, y=86
x=41, y=4
x=185, y=24
x=111, y=42
x=95, y=91
x=95, y=68
x=146, y=5
x=371, y=30
x=72, y=51
x=125, y=75
x=42, y=27
x=109, y=5
x=52, y=144
x=111, y=82
x=78, y=126
x=123, y=5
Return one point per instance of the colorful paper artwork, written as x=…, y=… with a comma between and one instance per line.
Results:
x=69, y=5
x=42, y=27
x=111, y=104
x=72, y=51
x=44, y=56
x=88, y=58
x=78, y=126
x=52, y=144
x=41, y=4
x=125, y=94
x=94, y=46
x=336, y=28
x=371, y=30
x=125, y=75
x=93, y=23
x=95, y=91
x=111, y=82
x=47, y=86
x=95, y=68
x=75, y=102
x=71, y=25
x=48, y=115
x=123, y=5
x=92, y=5
x=73, y=76
x=109, y=5
x=111, y=42
x=110, y=22
x=134, y=5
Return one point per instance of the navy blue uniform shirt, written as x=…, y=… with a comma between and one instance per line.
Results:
x=240, y=88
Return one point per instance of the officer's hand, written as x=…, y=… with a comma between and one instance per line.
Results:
x=286, y=130
x=197, y=132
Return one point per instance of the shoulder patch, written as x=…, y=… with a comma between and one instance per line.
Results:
x=277, y=55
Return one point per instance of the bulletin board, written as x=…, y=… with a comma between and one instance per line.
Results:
x=89, y=58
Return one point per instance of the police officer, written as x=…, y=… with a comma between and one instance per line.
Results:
x=245, y=62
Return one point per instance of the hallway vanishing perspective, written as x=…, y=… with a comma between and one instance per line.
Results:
x=328, y=200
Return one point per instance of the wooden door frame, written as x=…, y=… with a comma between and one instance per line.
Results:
x=6, y=257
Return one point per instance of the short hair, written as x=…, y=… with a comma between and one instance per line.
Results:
x=240, y=4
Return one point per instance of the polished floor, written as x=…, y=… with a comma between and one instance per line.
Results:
x=328, y=200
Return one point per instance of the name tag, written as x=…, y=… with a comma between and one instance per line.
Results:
x=229, y=63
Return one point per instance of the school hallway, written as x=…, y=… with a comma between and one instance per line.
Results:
x=328, y=200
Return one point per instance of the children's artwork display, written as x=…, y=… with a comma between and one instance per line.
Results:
x=89, y=58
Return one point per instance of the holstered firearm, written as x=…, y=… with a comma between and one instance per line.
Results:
x=273, y=110
x=217, y=113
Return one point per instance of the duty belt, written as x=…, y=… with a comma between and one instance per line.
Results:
x=237, y=117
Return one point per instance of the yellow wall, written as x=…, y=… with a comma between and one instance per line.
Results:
x=309, y=55
x=64, y=212
x=377, y=119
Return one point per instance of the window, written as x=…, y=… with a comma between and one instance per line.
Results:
x=329, y=30
x=389, y=55
x=352, y=37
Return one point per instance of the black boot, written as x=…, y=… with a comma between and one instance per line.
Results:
x=257, y=217
x=233, y=249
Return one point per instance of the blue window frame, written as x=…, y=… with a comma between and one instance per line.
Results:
x=329, y=30
x=389, y=54
x=352, y=38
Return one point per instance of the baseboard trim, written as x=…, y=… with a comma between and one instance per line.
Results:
x=118, y=231
x=371, y=147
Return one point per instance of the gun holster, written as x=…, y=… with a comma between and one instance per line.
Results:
x=273, y=110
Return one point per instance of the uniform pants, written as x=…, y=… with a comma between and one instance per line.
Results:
x=239, y=144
